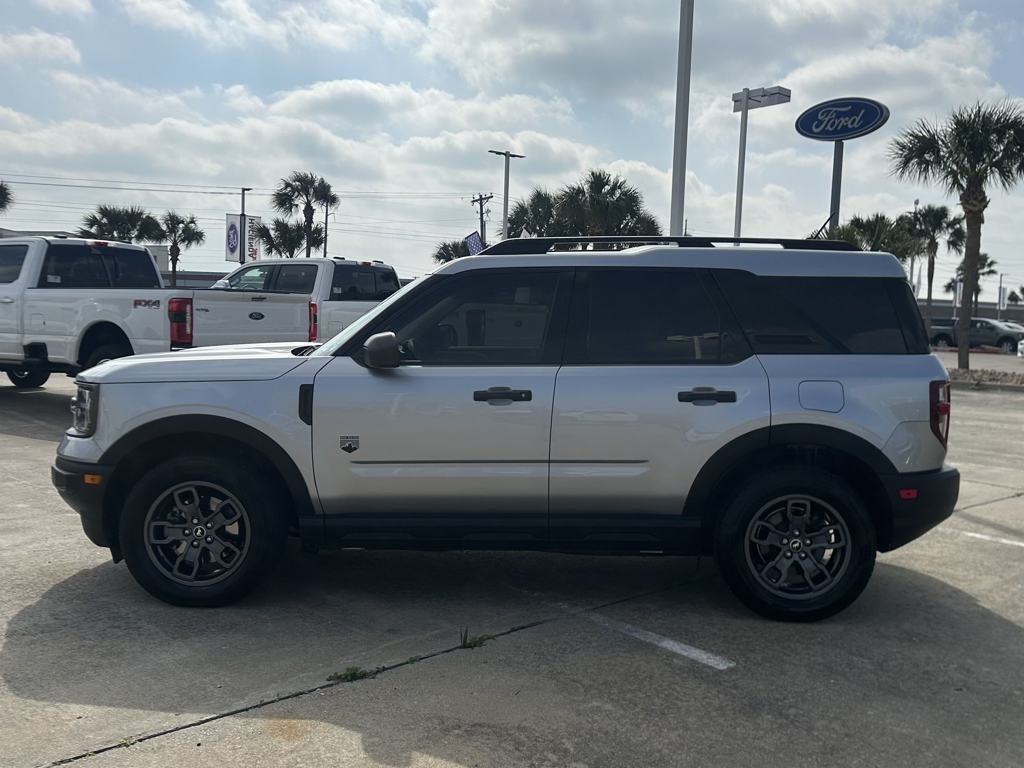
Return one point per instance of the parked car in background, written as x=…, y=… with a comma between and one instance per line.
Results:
x=778, y=408
x=984, y=333
x=68, y=303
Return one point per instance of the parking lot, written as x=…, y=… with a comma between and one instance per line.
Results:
x=580, y=661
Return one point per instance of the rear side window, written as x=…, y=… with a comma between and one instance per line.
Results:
x=825, y=315
x=72, y=265
x=646, y=317
x=295, y=278
x=11, y=259
x=130, y=268
x=359, y=283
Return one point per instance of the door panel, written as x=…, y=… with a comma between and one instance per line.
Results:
x=12, y=260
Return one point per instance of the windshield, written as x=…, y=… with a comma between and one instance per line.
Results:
x=331, y=346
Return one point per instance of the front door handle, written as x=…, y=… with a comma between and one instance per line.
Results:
x=502, y=393
x=707, y=396
x=258, y=298
x=6, y=300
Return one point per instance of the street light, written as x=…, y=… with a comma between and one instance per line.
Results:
x=742, y=102
x=504, y=207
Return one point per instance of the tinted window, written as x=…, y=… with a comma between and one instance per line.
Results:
x=70, y=265
x=645, y=317
x=11, y=259
x=250, y=279
x=486, y=318
x=296, y=278
x=823, y=315
x=360, y=283
x=130, y=269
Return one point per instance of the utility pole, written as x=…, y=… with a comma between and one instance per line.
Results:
x=682, y=116
x=243, y=235
x=504, y=208
x=999, y=299
x=327, y=213
x=481, y=200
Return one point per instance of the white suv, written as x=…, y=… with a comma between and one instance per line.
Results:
x=777, y=407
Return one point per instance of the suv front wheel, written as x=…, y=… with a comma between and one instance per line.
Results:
x=201, y=530
x=796, y=544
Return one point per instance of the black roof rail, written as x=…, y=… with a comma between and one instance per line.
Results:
x=524, y=246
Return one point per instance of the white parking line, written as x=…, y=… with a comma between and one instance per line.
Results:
x=666, y=643
x=986, y=537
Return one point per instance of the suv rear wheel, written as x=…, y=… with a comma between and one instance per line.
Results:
x=201, y=530
x=796, y=544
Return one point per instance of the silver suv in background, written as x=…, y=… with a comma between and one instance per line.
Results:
x=777, y=407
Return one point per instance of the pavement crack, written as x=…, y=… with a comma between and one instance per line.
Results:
x=1016, y=495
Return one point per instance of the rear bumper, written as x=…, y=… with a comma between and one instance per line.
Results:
x=68, y=477
x=935, y=498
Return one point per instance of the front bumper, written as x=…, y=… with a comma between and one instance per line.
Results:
x=86, y=498
x=919, y=502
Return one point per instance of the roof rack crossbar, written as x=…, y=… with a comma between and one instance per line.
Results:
x=537, y=245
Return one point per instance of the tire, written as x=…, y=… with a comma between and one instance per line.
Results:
x=28, y=378
x=106, y=352
x=1008, y=346
x=942, y=341
x=827, y=510
x=238, y=543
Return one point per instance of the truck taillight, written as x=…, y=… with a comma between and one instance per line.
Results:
x=939, y=408
x=179, y=312
x=314, y=324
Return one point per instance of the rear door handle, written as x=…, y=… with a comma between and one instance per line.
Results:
x=258, y=298
x=502, y=393
x=707, y=396
x=6, y=300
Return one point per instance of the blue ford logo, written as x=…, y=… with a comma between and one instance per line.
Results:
x=841, y=119
x=232, y=238
x=255, y=315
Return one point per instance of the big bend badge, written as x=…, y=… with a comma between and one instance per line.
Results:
x=349, y=443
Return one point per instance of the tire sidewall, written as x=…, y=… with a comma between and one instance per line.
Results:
x=27, y=378
x=262, y=503
x=105, y=352
x=730, y=542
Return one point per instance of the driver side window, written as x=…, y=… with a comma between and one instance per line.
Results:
x=489, y=317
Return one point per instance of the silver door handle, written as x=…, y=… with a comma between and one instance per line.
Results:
x=6, y=300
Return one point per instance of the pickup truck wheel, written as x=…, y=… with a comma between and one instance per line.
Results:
x=796, y=544
x=28, y=378
x=106, y=352
x=201, y=530
x=942, y=341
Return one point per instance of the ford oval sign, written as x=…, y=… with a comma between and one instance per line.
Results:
x=841, y=119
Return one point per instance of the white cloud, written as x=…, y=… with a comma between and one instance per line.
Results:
x=66, y=7
x=97, y=97
x=17, y=48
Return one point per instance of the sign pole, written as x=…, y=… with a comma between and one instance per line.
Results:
x=837, y=184
x=744, y=108
x=243, y=232
x=681, y=126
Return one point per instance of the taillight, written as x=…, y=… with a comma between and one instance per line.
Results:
x=313, y=321
x=179, y=312
x=939, y=408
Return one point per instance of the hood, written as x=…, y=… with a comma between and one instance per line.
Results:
x=237, y=362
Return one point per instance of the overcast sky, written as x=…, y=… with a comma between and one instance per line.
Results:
x=396, y=103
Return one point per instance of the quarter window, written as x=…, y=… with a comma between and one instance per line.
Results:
x=130, y=268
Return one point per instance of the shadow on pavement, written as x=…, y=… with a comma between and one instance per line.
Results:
x=911, y=643
x=39, y=414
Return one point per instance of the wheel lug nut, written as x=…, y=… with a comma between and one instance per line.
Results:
x=195, y=543
x=195, y=521
x=803, y=555
x=785, y=541
x=188, y=532
x=789, y=554
x=796, y=533
x=209, y=539
x=807, y=542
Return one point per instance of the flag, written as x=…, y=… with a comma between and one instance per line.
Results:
x=474, y=243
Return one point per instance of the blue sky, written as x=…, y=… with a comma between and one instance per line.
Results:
x=396, y=102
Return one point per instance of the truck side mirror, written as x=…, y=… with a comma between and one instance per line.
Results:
x=381, y=351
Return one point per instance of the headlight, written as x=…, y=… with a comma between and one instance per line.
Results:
x=84, y=406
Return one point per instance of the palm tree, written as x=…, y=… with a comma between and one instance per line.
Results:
x=930, y=224
x=978, y=147
x=303, y=191
x=128, y=224
x=986, y=268
x=535, y=215
x=1014, y=297
x=180, y=232
x=451, y=250
x=877, y=232
x=329, y=200
x=286, y=238
x=6, y=198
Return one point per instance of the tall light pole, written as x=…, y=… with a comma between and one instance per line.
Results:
x=743, y=102
x=504, y=205
x=675, y=227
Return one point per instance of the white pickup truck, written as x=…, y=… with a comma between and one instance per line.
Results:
x=67, y=304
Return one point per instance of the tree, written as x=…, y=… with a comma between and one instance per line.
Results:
x=930, y=224
x=286, y=238
x=450, y=250
x=1013, y=297
x=599, y=204
x=976, y=148
x=986, y=268
x=303, y=191
x=878, y=232
x=180, y=233
x=329, y=200
x=128, y=224
x=6, y=198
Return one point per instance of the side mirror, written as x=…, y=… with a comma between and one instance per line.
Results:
x=381, y=351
